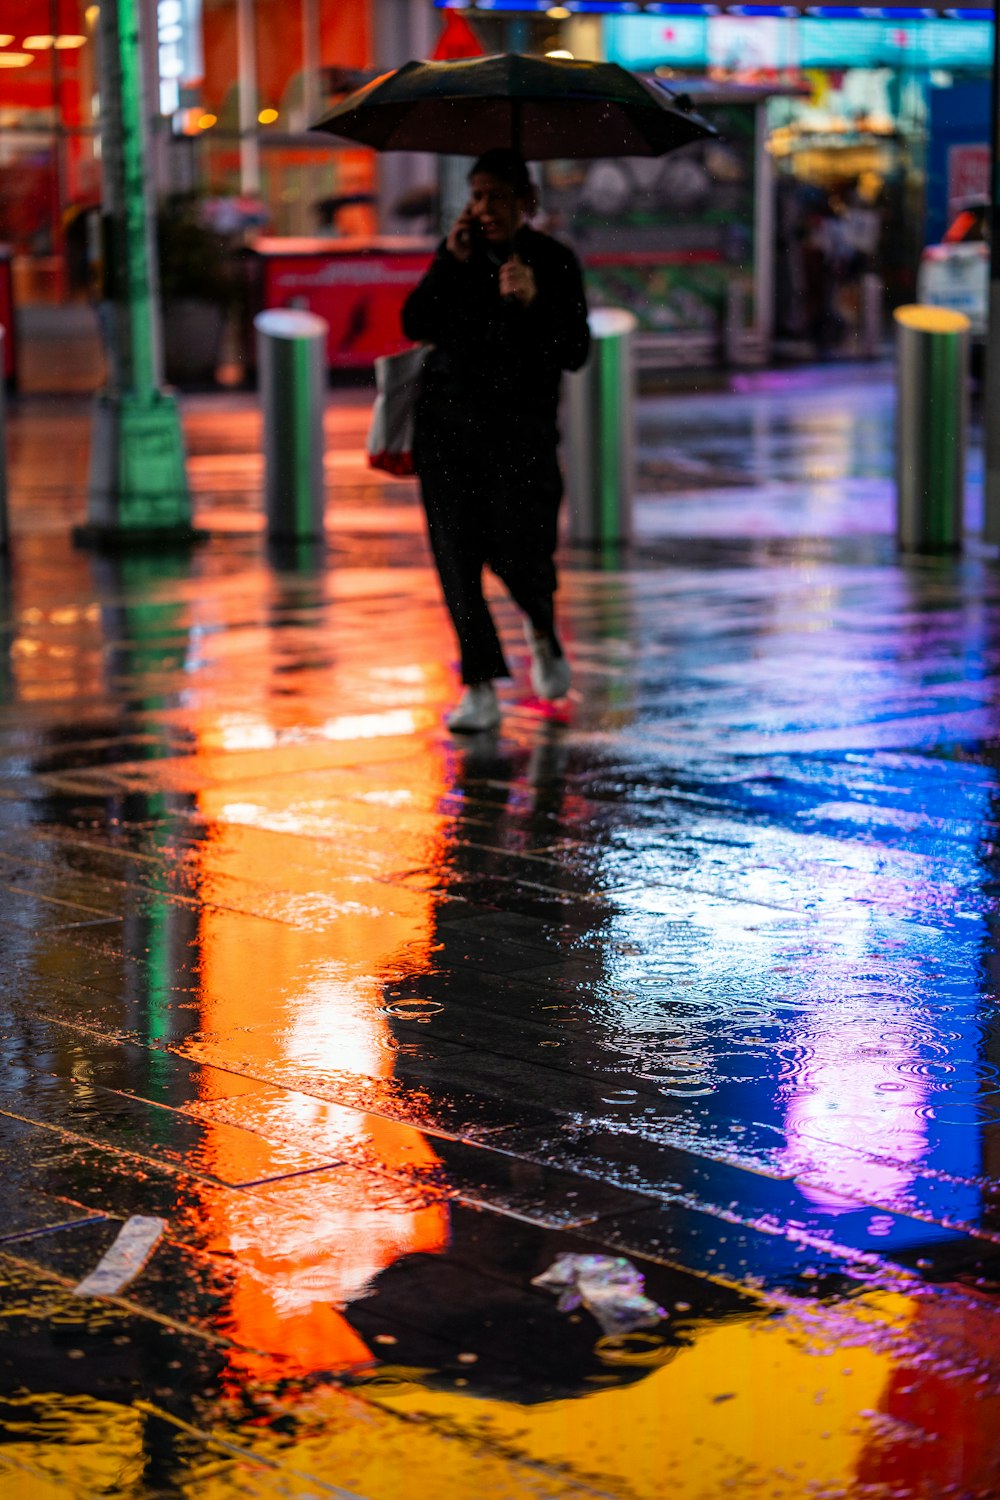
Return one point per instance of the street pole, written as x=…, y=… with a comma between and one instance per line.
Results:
x=246, y=63
x=312, y=37
x=401, y=31
x=991, y=402
x=137, y=491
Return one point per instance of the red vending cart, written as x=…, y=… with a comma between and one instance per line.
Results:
x=358, y=286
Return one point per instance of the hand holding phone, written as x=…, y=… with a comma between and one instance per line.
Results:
x=459, y=240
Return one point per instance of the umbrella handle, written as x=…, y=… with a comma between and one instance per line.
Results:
x=515, y=126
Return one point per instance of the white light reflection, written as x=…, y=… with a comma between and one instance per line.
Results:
x=374, y=726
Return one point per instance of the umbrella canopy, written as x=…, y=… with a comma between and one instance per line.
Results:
x=543, y=107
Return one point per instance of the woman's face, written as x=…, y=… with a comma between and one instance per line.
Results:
x=495, y=207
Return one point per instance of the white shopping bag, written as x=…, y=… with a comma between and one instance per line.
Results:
x=390, y=436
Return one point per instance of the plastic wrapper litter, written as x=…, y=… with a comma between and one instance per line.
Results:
x=610, y=1287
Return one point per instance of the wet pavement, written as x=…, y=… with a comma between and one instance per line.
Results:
x=364, y=1027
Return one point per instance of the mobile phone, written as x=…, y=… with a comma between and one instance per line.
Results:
x=468, y=234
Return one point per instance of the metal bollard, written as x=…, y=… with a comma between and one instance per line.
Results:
x=291, y=361
x=599, y=446
x=4, y=526
x=932, y=364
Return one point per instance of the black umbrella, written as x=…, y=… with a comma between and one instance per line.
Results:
x=543, y=107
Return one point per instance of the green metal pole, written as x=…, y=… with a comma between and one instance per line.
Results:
x=137, y=492
x=141, y=278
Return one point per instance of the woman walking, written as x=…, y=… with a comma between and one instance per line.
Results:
x=504, y=308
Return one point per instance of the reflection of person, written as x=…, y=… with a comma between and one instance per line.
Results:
x=504, y=308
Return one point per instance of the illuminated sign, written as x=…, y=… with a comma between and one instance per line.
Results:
x=179, y=51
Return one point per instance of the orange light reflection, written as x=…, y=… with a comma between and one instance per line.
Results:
x=302, y=993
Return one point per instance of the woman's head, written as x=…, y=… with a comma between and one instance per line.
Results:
x=501, y=194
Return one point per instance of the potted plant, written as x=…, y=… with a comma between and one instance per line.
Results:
x=198, y=286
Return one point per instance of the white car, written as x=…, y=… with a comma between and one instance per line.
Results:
x=956, y=273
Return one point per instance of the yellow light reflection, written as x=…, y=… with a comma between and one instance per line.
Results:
x=745, y=1400
x=85, y=1446
x=762, y=1406
x=832, y=1402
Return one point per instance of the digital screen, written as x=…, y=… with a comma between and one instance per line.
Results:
x=650, y=42
x=758, y=42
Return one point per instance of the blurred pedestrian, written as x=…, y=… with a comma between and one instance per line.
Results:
x=827, y=258
x=503, y=307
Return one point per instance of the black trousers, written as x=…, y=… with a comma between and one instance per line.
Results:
x=491, y=491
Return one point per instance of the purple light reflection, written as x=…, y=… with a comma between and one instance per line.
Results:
x=854, y=1117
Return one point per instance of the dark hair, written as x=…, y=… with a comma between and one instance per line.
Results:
x=510, y=167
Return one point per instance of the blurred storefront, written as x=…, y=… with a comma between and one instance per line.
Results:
x=858, y=184
x=49, y=166
x=237, y=82
x=847, y=137
x=877, y=123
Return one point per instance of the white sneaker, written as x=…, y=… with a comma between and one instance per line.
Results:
x=549, y=672
x=477, y=709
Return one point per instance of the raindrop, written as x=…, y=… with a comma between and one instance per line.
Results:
x=926, y=1069
x=386, y=1380
x=634, y=1349
x=412, y=1010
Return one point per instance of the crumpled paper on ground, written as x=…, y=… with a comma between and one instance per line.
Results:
x=608, y=1286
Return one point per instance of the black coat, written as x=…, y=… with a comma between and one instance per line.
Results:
x=494, y=358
